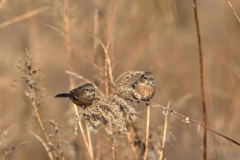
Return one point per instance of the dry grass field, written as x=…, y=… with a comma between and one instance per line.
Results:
x=52, y=46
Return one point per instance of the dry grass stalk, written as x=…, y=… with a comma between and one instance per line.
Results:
x=147, y=132
x=164, y=132
x=138, y=146
x=188, y=120
x=130, y=140
x=55, y=29
x=67, y=35
x=114, y=148
x=96, y=28
x=68, y=46
x=202, y=81
x=44, y=145
x=107, y=64
x=80, y=125
x=31, y=78
x=55, y=132
x=89, y=139
x=24, y=16
x=107, y=110
x=233, y=10
x=108, y=77
x=42, y=127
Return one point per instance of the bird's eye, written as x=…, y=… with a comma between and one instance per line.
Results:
x=145, y=78
x=87, y=89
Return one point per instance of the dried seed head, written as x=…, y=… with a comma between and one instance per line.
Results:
x=114, y=111
x=103, y=112
x=125, y=77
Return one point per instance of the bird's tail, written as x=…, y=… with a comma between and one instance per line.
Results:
x=62, y=95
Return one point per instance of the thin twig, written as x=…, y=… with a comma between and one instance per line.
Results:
x=33, y=92
x=39, y=120
x=44, y=145
x=107, y=63
x=203, y=99
x=55, y=29
x=136, y=141
x=96, y=28
x=67, y=35
x=147, y=133
x=114, y=148
x=131, y=141
x=233, y=10
x=164, y=132
x=187, y=119
x=24, y=16
x=89, y=140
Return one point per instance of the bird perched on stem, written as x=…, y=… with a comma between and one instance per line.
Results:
x=82, y=96
x=144, y=87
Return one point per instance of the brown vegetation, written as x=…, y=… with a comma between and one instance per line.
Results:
x=49, y=47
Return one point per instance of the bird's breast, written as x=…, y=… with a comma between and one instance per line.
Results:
x=146, y=92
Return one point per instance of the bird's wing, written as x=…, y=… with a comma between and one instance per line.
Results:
x=74, y=95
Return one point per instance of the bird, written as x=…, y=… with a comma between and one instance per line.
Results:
x=82, y=96
x=143, y=89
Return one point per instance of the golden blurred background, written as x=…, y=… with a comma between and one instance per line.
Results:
x=157, y=36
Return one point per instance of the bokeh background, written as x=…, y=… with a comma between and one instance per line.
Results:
x=157, y=36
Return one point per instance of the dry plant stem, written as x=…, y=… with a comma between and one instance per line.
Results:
x=107, y=68
x=204, y=107
x=164, y=132
x=55, y=29
x=197, y=123
x=44, y=145
x=147, y=132
x=130, y=140
x=87, y=144
x=47, y=139
x=81, y=126
x=23, y=17
x=114, y=148
x=96, y=28
x=107, y=62
x=89, y=140
x=108, y=77
x=67, y=37
x=233, y=10
x=68, y=46
x=82, y=132
x=109, y=30
x=136, y=135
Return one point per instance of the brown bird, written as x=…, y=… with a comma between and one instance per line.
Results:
x=81, y=96
x=144, y=87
